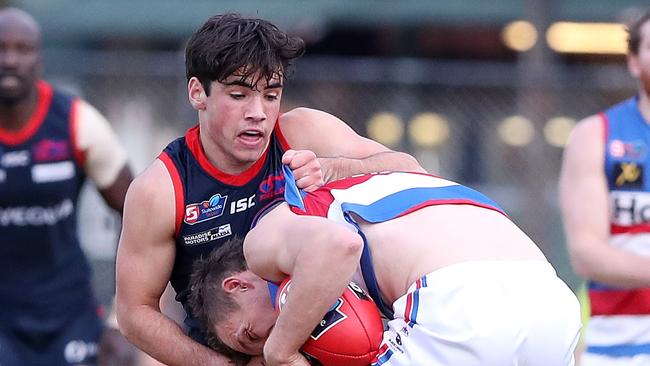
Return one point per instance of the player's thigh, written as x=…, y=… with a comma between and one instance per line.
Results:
x=78, y=343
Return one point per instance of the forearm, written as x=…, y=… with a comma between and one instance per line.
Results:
x=164, y=340
x=612, y=266
x=314, y=289
x=341, y=167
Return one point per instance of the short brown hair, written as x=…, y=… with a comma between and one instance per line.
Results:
x=229, y=43
x=209, y=303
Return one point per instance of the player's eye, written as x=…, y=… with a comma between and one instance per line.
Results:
x=251, y=336
x=237, y=96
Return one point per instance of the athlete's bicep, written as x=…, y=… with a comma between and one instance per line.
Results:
x=583, y=188
x=274, y=245
x=102, y=154
x=146, y=250
x=304, y=128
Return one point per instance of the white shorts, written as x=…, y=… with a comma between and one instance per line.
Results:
x=484, y=313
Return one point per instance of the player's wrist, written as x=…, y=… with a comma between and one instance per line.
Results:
x=276, y=351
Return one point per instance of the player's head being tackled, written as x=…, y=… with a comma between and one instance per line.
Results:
x=237, y=311
x=213, y=298
x=459, y=281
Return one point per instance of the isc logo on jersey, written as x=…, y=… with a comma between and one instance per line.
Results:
x=206, y=210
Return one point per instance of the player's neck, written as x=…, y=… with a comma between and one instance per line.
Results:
x=15, y=116
x=220, y=160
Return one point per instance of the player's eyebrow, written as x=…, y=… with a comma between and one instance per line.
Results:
x=245, y=84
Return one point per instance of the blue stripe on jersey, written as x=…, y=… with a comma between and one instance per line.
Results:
x=368, y=273
x=597, y=286
x=292, y=194
x=397, y=203
x=384, y=358
x=273, y=291
x=627, y=350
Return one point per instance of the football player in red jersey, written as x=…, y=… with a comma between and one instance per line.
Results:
x=460, y=283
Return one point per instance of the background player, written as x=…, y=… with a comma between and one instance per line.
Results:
x=604, y=187
x=209, y=185
x=483, y=296
x=49, y=143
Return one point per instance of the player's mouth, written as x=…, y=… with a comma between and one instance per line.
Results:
x=10, y=81
x=251, y=137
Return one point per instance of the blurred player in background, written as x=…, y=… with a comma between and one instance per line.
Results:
x=49, y=143
x=208, y=186
x=459, y=281
x=604, y=198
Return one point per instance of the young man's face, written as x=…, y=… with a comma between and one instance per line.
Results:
x=246, y=329
x=239, y=120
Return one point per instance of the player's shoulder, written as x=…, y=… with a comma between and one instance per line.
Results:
x=588, y=130
x=586, y=142
x=300, y=116
x=153, y=184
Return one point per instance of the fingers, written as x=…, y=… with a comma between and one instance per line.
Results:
x=306, y=168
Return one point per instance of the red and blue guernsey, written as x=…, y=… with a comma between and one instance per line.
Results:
x=212, y=206
x=375, y=198
x=44, y=275
x=620, y=322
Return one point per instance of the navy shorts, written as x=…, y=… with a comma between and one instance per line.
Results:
x=75, y=344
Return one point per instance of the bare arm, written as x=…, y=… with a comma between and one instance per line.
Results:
x=585, y=213
x=115, y=193
x=144, y=263
x=321, y=257
x=341, y=151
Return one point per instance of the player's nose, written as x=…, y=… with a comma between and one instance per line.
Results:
x=255, y=110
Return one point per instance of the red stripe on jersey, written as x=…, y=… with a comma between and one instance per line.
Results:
x=194, y=144
x=79, y=155
x=44, y=94
x=409, y=307
x=450, y=202
x=620, y=302
x=605, y=120
x=383, y=348
x=633, y=229
x=179, y=195
x=278, y=133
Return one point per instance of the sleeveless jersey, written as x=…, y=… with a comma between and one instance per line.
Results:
x=620, y=323
x=376, y=198
x=44, y=275
x=213, y=207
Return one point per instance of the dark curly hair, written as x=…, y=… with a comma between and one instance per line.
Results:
x=228, y=44
x=209, y=303
x=634, y=33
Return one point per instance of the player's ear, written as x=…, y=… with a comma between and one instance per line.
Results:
x=231, y=284
x=196, y=94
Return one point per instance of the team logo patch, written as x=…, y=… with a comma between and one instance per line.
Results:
x=333, y=317
x=207, y=236
x=206, y=210
x=628, y=175
x=51, y=150
x=627, y=149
